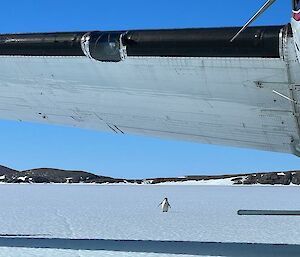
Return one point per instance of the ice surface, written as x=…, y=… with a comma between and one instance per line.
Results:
x=210, y=182
x=198, y=214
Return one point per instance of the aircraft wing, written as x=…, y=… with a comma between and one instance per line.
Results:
x=190, y=84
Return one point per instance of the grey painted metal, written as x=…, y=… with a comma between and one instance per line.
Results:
x=268, y=213
x=225, y=101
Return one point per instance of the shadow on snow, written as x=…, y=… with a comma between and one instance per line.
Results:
x=147, y=246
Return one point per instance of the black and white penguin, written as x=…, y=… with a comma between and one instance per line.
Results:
x=165, y=205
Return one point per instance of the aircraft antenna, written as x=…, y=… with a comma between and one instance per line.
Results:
x=254, y=17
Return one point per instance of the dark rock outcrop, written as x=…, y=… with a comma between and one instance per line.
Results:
x=272, y=178
x=296, y=178
x=47, y=175
x=6, y=171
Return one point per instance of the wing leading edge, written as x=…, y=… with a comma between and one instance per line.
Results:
x=208, y=42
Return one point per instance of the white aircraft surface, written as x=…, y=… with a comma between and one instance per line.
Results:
x=203, y=85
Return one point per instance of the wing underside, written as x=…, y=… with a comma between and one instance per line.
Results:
x=188, y=84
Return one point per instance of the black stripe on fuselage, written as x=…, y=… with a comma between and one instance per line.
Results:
x=208, y=42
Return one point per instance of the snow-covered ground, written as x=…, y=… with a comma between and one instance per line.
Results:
x=115, y=214
x=210, y=182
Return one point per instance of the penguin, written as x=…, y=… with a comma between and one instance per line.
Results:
x=165, y=205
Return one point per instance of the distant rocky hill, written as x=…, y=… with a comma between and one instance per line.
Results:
x=265, y=178
x=48, y=175
x=6, y=171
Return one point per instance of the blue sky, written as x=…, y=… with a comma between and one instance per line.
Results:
x=26, y=145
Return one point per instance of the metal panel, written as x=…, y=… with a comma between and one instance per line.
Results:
x=225, y=101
